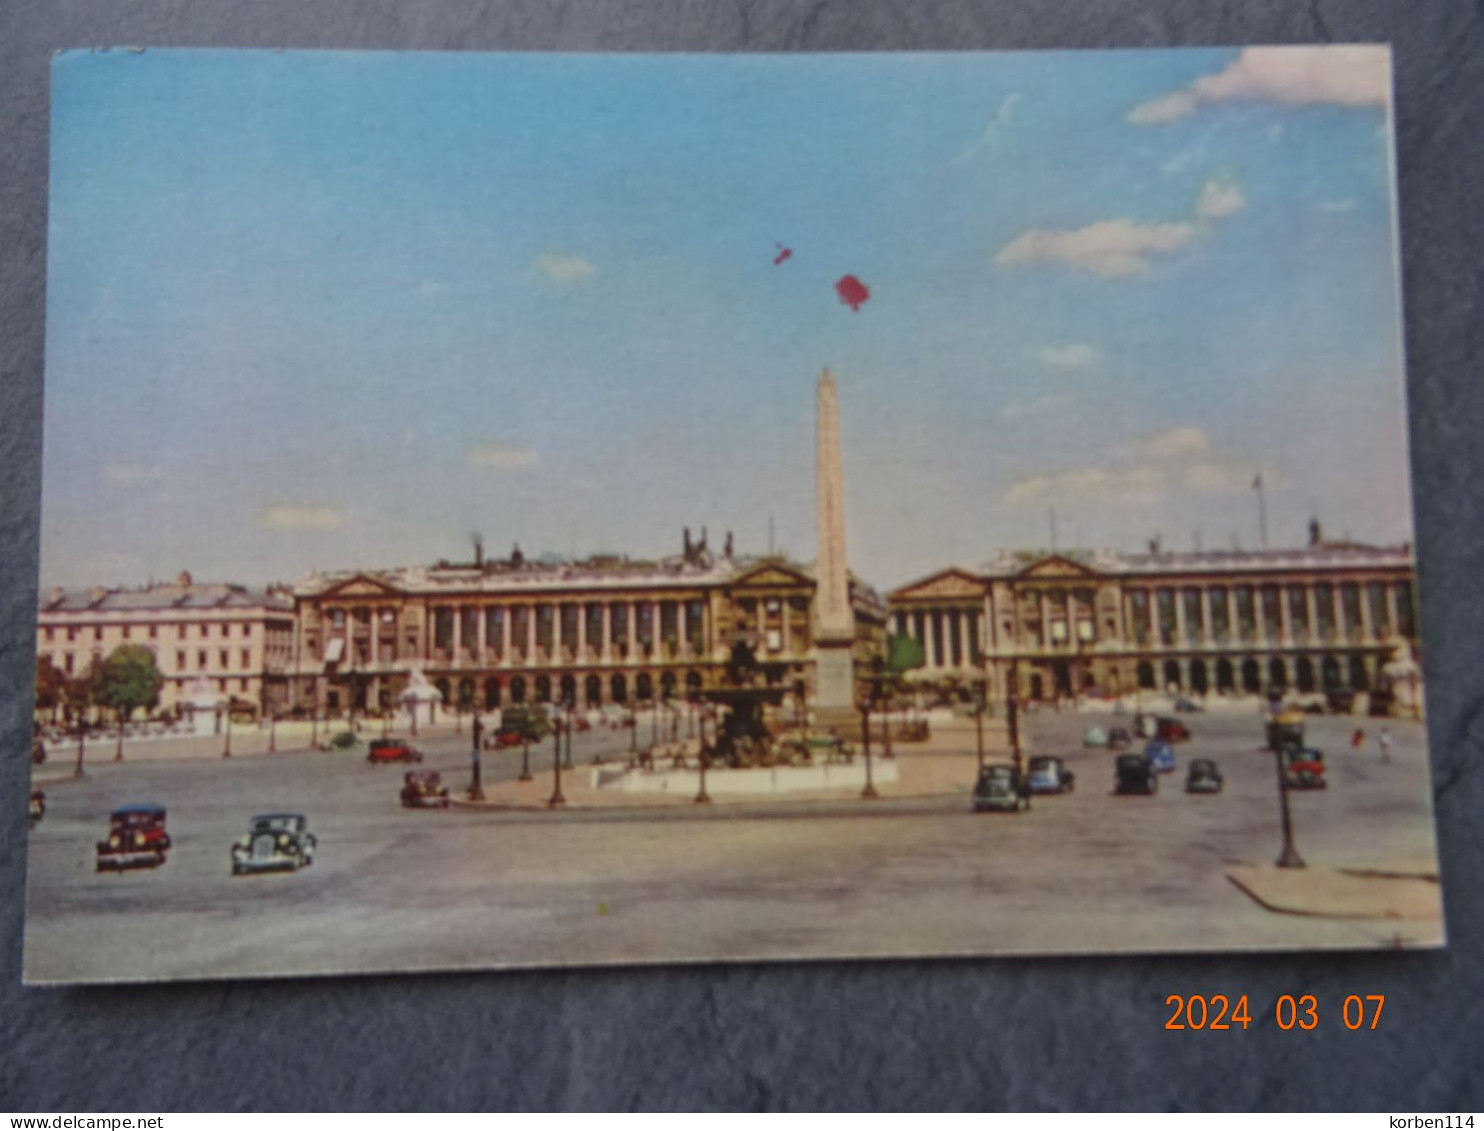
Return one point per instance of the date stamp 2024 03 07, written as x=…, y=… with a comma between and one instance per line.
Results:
x=1219, y=1011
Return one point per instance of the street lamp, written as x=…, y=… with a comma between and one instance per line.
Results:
x=476, y=784
x=1012, y=715
x=1289, y=857
x=273, y=732
x=571, y=711
x=981, y=698
x=556, y=766
x=227, y=745
x=704, y=757
x=869, y=792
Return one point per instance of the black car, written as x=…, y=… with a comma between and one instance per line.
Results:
x=1001, y=787
x=1132, y=773
x=275, y=842
x=1118, y=738
x=1203, y=777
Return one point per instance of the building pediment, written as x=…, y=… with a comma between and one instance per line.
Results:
x=774, y=575
x=362, y=585
x=950, y=583
x=1056, y=567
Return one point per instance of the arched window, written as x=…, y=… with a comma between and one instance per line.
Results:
x=1329, y=673
x=543, y=689
x=1146, y=675
x=644, y=687
x=667, y=685
x=1251, y=676
x=692, y=682
x=1224, y=675
x=491, y=694
x=518, y=689
x=1172, y=674
x=1358, y=676
x=593, y=690
x=569, y=689
x=1305, y=674
x=1277, y=673
x=619, y=689
x=1198, y=676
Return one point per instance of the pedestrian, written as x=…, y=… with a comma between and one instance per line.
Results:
x=1385, y=740
x=1357, y=740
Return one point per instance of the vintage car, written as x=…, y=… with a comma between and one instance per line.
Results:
x=424, y=790
x=1303, y=767
x=136, y=839
x=1188, y=706
x=1118, y=738
x=1001, y=787
x=1132, y=773
x=503, y=738
x=1203, y=777
x=275, y=842
x=1095, y=736
x=391, y=750
x=1160, y=755
x=1286, y=730
x=1049, y=775
x=1171, y=730
x=36, y=807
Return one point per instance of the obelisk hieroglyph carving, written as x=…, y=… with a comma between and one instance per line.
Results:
x=834, y=624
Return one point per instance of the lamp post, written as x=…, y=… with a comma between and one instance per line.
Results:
x=571, y=722
x=227, y=745
x=981, y=697
x=869, y=792
x=703, y=757
x=1289, y=857
x=1012, y=715
x=314, y=727
x=273, y=733
x=476, y=762
x=556, y=766
x=81, y=738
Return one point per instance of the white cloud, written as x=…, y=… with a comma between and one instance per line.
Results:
x=1073, y=355
x=500, y=456
x=1350, y=75
x=992, y=130
x=1218, y=199
x=1039, y=406
x=1110, y=248
x=1146, y=472
x=1175, y=443
x=1129, y=485
x=302, y=516
x=565, y=269
x=129, y=474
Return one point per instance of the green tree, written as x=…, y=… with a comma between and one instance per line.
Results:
x=51, y=686
x=530, y=724
x=126, y=681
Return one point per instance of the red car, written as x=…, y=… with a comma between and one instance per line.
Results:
x=136, y=839
x=392, y=750
x=503, y=739
x=1171, y=730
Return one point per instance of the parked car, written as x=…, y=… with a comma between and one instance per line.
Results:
x=136, y=839
x=1095, y=736
x=1303, y=767
x=1001, y=787
x=1050, y=775
x=392, y=750
x=424, y=790
x=275, y=842
x=1132, y=773
x=1203, y=777
x=1340, y=700
x=504, y=738
x=1160, y=755
x=1118, y=738
x=1188, y=706
x=1171, y=730
x=36, y=807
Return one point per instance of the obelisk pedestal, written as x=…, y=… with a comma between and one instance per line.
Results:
x=834, y=622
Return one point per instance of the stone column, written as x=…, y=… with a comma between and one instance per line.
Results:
x=582, y=632
x=1285, y=615
x=605, y=646
x=1393, y=621
x=530, y=645
x=1045, y=622
x=481, y=632
x=682, y=626
x=1310, y=606
x=656, y=634
x=1182, y=629
x=1208, y=630
x=458, y=632
x=505, y=634
x=1365, y=613
x=631, y=623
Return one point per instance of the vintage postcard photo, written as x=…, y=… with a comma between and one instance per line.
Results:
x=525, y=510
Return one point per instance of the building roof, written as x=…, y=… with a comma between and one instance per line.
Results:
x=1317, y=556
x=163, y=597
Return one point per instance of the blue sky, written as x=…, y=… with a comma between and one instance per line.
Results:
x=316, y=310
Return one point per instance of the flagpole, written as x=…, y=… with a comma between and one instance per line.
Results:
x=1262, y=510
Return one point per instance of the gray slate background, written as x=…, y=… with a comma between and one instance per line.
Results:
x=1023, y=1034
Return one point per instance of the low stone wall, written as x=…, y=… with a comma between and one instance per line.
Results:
x=776, y=779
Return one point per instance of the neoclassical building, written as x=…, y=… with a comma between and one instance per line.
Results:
x=240, y=640
x=1329, y=614
x=603, y=630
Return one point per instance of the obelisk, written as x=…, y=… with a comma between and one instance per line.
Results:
x=834, y=623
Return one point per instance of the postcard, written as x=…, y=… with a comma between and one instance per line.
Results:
x=536, y=510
